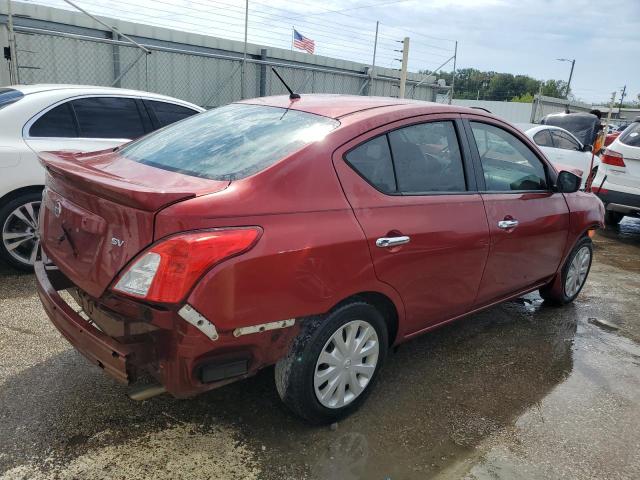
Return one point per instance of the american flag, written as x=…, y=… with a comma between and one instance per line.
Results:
x=303, y=43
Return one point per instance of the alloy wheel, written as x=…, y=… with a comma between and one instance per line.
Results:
x=346, y=364
x=20, y=235
x=577, y=273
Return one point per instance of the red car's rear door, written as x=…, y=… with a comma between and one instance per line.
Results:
x=528, y=222
x=413, y=193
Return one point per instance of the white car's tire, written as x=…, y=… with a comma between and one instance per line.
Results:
x=19, y=235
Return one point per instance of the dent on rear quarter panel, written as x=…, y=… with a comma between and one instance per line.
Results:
x=312, y=253
x=304, y=264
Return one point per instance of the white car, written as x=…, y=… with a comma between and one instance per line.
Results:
x=37, y=118
x=562, y=147
x=618, y=180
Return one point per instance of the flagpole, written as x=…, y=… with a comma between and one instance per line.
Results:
x=293, y=29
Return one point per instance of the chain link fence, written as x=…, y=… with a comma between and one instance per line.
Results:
x=203, y=78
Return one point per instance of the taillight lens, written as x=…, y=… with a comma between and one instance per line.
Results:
x=167, y=271
x=611, y=157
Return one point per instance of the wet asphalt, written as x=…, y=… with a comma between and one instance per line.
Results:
x=520, y=391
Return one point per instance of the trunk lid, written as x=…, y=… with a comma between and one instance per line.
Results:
x=99, y=212
x=631, y=171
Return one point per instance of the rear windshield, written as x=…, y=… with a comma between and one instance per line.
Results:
x=9, y=95
x=230, y=142
x=631, y=135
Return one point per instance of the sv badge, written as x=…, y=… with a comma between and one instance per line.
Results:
x=117, y=242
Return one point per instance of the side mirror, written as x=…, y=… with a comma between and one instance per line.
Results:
x=587, y=148
x=568, y=182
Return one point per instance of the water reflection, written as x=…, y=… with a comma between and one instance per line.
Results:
x=344, y=456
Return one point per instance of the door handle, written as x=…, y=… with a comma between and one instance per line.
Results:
x=386, y=242
x=507, y=224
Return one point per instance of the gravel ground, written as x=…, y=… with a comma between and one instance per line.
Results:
x=520, y=391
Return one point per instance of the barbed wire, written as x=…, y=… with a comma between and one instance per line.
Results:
x=270, y=26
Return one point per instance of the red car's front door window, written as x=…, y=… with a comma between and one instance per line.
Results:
x=527, y=221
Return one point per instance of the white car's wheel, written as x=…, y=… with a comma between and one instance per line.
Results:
x=20, y=242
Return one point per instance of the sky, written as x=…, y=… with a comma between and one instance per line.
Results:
x=511, y=36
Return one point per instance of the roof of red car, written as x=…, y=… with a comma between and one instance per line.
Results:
x=336, y=106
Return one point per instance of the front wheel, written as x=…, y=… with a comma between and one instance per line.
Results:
x=573, y=275
x=333, y=363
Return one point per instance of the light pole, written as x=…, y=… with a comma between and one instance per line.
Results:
x=573, y=62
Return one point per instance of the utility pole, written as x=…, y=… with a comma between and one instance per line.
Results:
x=624, y=93
x=403, y=70
x=453, y=78
x=244, y=55
x=573, y=64
x=14, y=76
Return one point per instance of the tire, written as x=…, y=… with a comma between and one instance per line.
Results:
x=298, y=375
x=612, y=218
x=19, y=224
x=569, y=287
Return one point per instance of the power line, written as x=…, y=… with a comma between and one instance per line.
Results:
x=341, y=47
x=379, y=4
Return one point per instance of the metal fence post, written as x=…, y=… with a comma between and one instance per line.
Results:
x=116, y=60
x=244, y=54
x=453, y=77
x=263, y=73
x=373, y=62
x=14, y=73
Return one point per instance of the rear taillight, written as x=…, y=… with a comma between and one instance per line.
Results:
x=167, y=271
x=611, y=157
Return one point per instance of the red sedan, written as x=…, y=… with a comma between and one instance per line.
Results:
x=311, y=233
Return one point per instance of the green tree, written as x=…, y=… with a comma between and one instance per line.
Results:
x=524, y=98
x=472, y=83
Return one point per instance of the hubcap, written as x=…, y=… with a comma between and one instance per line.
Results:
x=20, y=235
x=577, y=273
x=346, y=364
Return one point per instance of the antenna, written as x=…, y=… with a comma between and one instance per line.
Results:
x=292, y=95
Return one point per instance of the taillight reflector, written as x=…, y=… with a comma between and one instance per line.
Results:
x=167, y=271
x=611, y=157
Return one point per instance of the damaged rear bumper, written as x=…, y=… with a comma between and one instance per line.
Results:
x=125, y=338
x=117, y=359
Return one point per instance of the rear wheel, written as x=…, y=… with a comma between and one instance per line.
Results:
x=333, y=363
x=612, y=218
x=20, y=245
x=573, y=275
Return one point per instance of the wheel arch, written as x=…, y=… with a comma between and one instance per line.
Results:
x=20, y=191
x=383, y=304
